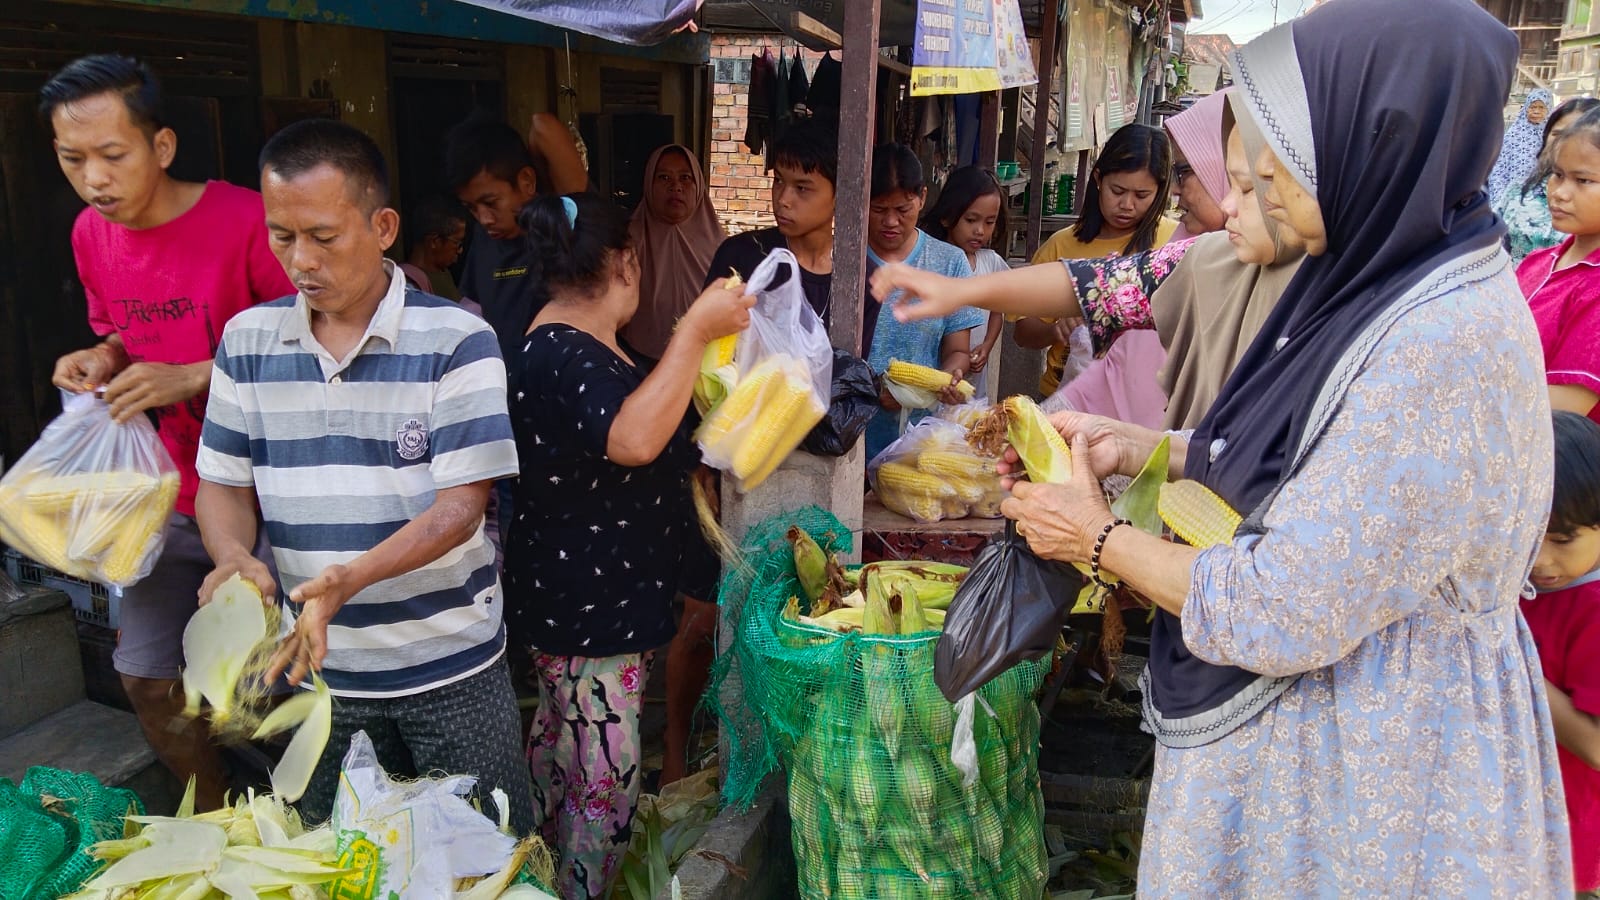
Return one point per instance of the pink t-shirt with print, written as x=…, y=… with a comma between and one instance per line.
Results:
x=1566, y=307
x=168, y=290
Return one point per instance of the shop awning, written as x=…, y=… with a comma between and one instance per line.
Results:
x=639, y=22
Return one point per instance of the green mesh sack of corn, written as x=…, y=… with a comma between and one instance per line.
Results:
x=863, y=737
x=47, y=825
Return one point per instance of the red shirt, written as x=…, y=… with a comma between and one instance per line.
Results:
x=168, y=291
x=1566, y=626
x=1566, y=307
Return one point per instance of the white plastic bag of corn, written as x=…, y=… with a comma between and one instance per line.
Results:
x=931, y=473
x=781, y=380
x=91, y=497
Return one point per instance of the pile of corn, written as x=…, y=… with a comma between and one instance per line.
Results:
x=879, y=807
x=755, y=420
x=931, y=473
x=102, y=526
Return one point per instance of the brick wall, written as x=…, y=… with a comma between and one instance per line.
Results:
x=740, y=185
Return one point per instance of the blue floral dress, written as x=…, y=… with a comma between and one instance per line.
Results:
x=1414, y=755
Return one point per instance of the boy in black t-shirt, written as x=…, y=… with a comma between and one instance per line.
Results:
x=495, y=172
x=805, y=169
x=489, y=167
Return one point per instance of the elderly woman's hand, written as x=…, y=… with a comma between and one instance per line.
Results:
x=1061, y=521
x=1108, y=443
x=720, y=310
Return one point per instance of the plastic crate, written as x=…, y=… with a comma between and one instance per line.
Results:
x=92, y=603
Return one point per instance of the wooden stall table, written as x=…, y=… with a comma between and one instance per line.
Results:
x=889, y=535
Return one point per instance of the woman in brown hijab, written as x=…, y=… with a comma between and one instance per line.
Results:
x=675, y=232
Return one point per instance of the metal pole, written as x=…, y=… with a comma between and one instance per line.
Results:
x=857, y=102
x=1050, y=24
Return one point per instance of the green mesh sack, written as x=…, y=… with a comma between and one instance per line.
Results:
x=47, y=825
x=863, y=735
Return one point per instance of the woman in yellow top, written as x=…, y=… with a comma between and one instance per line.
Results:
x=1127, y=194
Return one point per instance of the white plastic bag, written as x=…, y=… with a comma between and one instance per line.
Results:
x=411, y=840
x=931, y=473
x=784, y=366
x=91, y=498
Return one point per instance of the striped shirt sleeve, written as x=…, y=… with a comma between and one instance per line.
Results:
x=472, y=438
x=224, y=456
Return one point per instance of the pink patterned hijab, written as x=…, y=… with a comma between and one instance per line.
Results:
x=1197, y=132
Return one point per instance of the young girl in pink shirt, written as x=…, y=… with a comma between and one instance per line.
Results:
x=1562, y=283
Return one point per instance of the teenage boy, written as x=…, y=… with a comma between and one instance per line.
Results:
x=368, y=422
x=805, y=164
x=495, y=172
x=164, y=265
x=805, y=167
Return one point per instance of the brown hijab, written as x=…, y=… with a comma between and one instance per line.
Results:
x=673, y=259
x=1212, y=306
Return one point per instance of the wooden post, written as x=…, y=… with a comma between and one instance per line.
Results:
x=989, y=130
x=1049, y=24
x=857, y=106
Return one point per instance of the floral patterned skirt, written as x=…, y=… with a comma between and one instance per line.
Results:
x=586, y=759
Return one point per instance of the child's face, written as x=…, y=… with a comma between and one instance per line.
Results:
x=1574, y=187
x=973, y=231
x=802, y=201
x=1564, y=558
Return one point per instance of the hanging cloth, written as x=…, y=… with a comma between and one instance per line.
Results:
x=799, y=84
x=826, y=86
x=758, y=118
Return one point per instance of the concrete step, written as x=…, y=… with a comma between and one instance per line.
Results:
x=88, y=737
x=40, y=669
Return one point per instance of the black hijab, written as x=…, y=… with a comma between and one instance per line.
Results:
x=1402, y=102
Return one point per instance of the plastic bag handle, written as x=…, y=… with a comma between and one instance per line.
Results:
x=767, y=271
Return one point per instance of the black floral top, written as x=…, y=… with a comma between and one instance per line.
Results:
x=1114, y=292
x=595, y=551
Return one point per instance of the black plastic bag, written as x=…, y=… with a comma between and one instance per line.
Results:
x=1010, y=607
x=852, y=406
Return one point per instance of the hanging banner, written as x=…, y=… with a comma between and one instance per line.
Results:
x=1115, y=110
x=1012, y=56
x=969, y=46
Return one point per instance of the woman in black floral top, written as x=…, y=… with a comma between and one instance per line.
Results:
x=603, y=532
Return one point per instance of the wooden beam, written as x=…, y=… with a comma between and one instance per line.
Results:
x=802, y=26
x=857, y=102
x=1050, y=23
x=989, y=130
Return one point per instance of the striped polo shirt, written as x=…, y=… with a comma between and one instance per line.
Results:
x=343, y=454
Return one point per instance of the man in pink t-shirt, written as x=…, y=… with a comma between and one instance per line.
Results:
x=164, y=265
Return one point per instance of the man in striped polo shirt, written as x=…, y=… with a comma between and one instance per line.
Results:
x=368, y=421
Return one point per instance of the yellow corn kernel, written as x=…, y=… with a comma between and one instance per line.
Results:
x=740, y=403
x=904, y=479
x=60, y=493
x=719, y=353
x=920, y=507
x=952, y=464
x=1198, y=516
x=913, y=375
x=793, y=434
x=786, y=402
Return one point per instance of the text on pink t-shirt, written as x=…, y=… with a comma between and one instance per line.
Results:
x=169, y=290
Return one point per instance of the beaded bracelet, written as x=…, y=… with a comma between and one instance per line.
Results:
x=1100, y=545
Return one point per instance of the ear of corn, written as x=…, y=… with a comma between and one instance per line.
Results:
x=218, y=641
x=925, y=377
x=723, y=422
x=953, y=464
x=773, y=421
x=1043, y=451
x=1198, y=516
x=766, y=415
